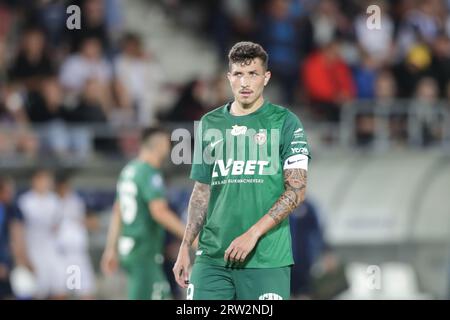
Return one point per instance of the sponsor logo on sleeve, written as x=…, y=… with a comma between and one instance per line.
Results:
x=300, y=150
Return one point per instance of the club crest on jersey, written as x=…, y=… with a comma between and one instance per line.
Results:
x=260, y=138
x=238, y=130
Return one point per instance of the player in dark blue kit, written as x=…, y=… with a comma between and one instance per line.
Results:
x=12, y=241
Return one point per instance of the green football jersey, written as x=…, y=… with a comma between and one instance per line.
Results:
x=141, y=236
x=242, y=159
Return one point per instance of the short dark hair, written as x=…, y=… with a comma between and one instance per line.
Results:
x=245, y=52
x=41, y=170
x=131, y=37
x=150, y=132
x=63, y=176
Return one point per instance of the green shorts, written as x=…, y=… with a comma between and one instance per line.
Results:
x=146, y=280
x=209, y=282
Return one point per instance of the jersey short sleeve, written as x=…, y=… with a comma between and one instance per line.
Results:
x=295, y=151
x=151, y=186
x=200, y=169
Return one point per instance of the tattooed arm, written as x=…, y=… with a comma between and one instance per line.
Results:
x=197, y=209
x=294, y=194
x=198, y=206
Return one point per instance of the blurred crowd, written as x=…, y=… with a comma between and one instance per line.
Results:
x=66, y=92
x=327, y=54
x=58, y=80
x=44, y=239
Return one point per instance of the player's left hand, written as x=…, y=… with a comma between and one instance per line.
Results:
x=240, y=247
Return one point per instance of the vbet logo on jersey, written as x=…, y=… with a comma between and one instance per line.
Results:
x=238, y=167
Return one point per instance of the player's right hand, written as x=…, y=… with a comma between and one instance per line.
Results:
x=182, y=267
x=109, y=263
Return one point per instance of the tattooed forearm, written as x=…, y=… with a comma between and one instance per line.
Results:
x=294, y=194
x=198, y=205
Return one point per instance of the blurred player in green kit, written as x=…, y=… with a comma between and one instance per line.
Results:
x=250, y=167
x=140, y=215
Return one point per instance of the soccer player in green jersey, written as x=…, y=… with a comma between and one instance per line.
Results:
x=250, y=164
x=140, y=215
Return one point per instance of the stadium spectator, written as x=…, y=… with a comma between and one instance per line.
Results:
x=92, y=107
x=140, y=79
x=12, y=239
x=421, y=22
x=114, y=18
x=219, y=92
x=88, y=63
x=91, y=116
x=324, y=23
x=414, y=67
x=73, y=238
x=377, y=43
x=51, y=15
x=425, y=126
x=230, y=20
x=18, y=143
x=278, y=33
x=385, y=87
x=32, y=62
x=440, y=63
x=365, y=75
x=40, y=209
x=15, y=136
x=45, y=108
x=46, y=105
x=328, y=81
x=384, y=99
x=93, y=25
x=447, y=93
x=48, y=110
x=191, y=105
x=3, y=61
x=6, y=17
